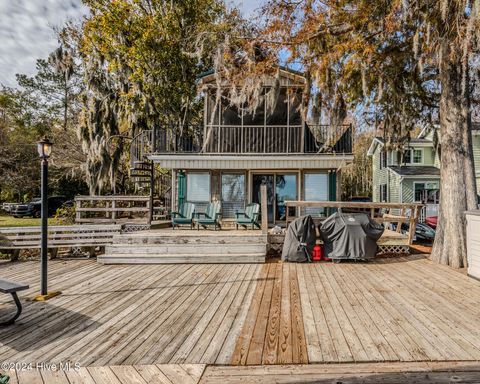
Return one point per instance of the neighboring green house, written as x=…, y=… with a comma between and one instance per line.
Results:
x=414, y=175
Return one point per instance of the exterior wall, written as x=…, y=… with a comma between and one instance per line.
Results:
x=380, y=176
x=394, y=184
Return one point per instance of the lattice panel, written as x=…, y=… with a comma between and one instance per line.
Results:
x=386, y=249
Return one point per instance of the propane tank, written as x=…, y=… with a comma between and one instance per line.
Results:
x=317, y=253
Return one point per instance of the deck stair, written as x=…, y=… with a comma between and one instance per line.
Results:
x=186, y=247
x=141, y=173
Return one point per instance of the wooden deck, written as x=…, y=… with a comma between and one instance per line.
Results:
x=389, y=310
x=360, y=373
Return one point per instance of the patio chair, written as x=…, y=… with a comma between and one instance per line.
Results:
x=184, y=216
x=248, y=217
x=211, y=216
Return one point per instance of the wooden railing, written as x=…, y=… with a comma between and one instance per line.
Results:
x=387, y=213
x=112, y=209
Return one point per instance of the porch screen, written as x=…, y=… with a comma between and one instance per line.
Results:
x=198, y=187
x=316, y=189
x=233, y=194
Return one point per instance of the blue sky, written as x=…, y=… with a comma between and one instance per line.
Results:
x=26, y=31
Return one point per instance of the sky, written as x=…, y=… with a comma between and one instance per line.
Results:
x=26, y=31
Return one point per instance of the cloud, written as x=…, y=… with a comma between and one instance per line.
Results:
x=26, y=31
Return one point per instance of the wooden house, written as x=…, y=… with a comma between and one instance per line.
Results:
x=414, y=175
x=237, y=150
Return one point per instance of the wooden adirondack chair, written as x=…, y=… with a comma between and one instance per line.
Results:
x=211, y=216
x=248, y=217
x=184, y=216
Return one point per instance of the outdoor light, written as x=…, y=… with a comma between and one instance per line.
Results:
x=44, y=148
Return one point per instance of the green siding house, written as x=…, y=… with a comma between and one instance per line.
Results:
x=414, y=175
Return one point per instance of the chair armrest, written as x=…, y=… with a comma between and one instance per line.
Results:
x=240, y=213
x=198, y=214
x=174, y=214
x=217, y=215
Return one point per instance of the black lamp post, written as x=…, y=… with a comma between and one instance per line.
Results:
x=44, y=148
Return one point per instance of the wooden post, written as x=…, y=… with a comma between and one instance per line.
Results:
x=263, y=208
x=412, y=224
x=114, y=212
x=78, y=214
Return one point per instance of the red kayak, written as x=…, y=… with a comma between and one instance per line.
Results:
x=431, y=221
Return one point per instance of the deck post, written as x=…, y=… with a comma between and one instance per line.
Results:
x=264, y=208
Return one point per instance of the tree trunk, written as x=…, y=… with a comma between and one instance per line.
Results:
x=457, y=188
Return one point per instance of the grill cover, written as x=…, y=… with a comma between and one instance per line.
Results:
x=350, y=236
x=299, y=240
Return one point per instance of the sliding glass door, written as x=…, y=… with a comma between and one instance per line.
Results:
x=280, y=187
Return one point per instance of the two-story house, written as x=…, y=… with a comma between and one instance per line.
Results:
x=414, y=175
x=235, y=151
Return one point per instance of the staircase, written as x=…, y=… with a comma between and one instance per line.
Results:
x=185, y=247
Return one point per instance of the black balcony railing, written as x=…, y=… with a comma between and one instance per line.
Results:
x=244, y=140
x=236, y=139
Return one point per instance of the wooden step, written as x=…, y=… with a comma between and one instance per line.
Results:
x=189, y=238
x=188, y=248
x=181, y=259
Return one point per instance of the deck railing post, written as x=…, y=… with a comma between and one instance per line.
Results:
x=264, y=208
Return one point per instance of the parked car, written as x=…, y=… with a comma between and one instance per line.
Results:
x=432, y=221
x=34, y=208
x=422, y=232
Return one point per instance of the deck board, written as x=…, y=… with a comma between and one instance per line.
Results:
x=388, y=310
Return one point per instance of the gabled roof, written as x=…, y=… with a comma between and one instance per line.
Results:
x=417, y=170
x=377, y=141
x=297, y=77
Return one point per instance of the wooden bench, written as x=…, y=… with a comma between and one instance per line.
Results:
x=12, y=288
x=67, y=236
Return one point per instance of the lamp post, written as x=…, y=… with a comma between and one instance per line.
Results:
x=44, y=148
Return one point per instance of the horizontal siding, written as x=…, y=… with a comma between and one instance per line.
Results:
x=267, y=162
x=394, y=190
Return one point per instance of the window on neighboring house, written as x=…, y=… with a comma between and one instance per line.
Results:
x=417, y=156
x=407, y=156
x=383, y=193
x=383, y=159
x=413, y=156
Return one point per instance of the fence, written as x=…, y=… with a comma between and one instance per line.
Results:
x=112, y=209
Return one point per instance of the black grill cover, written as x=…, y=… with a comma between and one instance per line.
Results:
x=299, y=240
x=350, y=236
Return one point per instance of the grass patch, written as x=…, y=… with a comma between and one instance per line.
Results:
x=10, y=221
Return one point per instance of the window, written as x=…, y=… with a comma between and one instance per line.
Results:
x=426, y=193
x=233, y=194
x=419, y=191
x=316, y=189
x=407, y=156
x=285, y=189
x=383, y=160
x=198, y=186
x=417, y=156
x=413, y=156
x=383, y=193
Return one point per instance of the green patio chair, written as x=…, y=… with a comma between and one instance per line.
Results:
x=248, y=217
x=184, y=216
x=211, y=216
